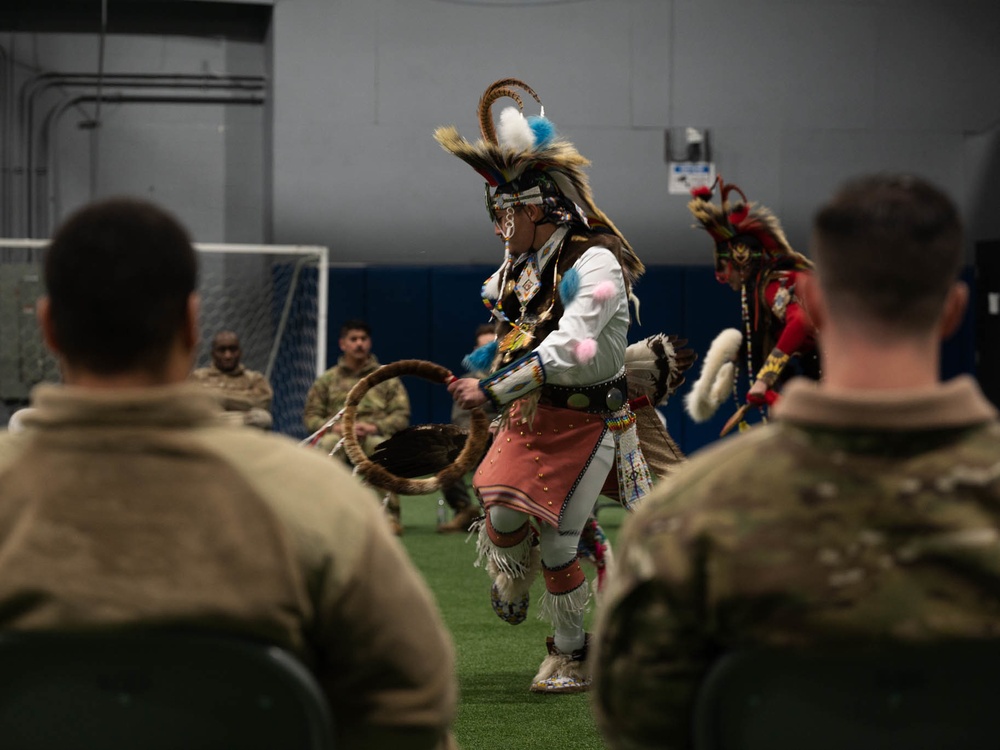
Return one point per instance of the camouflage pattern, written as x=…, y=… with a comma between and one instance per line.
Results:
x=242, y=389
x=386, y=405
x=797, y=533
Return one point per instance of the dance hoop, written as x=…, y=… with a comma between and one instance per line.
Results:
x=379, y=476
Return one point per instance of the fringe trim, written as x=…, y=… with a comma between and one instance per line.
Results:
x=511, y=588
x=560, y=610
x=512, y=561
x=563, y=665
x=529, y=407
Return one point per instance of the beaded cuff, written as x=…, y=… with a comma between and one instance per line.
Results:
x=514, y=381
x=773, y=366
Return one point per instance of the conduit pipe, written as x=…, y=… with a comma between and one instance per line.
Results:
x=32, y=89
x=51, y=125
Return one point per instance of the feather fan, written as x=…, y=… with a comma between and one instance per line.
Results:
x=421, y=450
x=655, y=366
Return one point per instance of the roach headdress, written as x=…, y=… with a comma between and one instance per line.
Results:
x=745, y=234
x=526, y=162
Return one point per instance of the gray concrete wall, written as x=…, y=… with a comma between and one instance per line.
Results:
x=205, y=161
x=798, y=96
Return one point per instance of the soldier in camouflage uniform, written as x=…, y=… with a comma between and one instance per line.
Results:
x=384, y=410
x=868, y=511
x=246, y=394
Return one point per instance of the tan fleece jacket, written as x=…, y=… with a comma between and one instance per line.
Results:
x=139, y=507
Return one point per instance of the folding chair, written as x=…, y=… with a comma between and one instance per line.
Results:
x=156, y=690
x=933, y=697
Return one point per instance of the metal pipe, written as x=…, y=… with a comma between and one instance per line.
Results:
x=4, y=139
x=95, y=134
x=39, y=84
x=55, y=115
x=199, y=82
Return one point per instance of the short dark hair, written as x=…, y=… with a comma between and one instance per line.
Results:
x=226, y=333
x=355, y=325
x=119, y=273
x=484, y=329
x=887, y=249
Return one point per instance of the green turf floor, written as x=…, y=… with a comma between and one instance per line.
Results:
x=496, y=661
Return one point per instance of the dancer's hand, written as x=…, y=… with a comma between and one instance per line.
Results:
x=467, y=393
x=760, y=395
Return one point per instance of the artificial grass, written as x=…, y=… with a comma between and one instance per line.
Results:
x=496, y=661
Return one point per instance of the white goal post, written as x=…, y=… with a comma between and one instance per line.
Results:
x=273, y=296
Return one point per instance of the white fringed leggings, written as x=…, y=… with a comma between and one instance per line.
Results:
x=559, y=546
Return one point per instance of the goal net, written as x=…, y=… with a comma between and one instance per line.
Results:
x=273, y=296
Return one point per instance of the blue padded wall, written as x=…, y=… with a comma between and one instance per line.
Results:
x=432, y=313
x=456, y=311
x=661, y=310
x=347, y=299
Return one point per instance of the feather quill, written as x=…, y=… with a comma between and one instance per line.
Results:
x=420, y=450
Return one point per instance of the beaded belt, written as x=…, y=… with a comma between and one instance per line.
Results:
x=611, y=395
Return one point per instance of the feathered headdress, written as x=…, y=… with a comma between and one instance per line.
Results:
x=530, y=145
x=744, y=233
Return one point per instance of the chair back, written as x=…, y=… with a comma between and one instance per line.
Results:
x=930, y=697
x=154, y=691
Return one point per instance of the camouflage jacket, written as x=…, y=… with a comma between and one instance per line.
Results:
x=241, y=389
x=864, y=517
x=386, y=405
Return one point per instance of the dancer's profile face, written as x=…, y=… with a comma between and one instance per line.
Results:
x=518, y=227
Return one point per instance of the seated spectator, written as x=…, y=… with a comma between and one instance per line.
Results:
x=127, y=503
x=381, y=413
x=867, y=511
x=246, y=395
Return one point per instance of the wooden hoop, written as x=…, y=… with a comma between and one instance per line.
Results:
x=379, y=476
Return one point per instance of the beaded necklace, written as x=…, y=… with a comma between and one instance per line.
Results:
x=527, y=286
x=745, y=311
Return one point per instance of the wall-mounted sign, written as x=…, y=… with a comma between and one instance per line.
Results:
x=687, y=175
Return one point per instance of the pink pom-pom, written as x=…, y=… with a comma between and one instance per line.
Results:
x=604, y=291
x=585, y=351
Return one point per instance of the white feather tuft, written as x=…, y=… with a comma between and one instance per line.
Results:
x=514, y=131
x=716, y=380
x=722, y=388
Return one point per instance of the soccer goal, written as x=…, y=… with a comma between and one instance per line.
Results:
x=273, y=296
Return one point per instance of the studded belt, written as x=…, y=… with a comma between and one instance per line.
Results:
x=610, y=395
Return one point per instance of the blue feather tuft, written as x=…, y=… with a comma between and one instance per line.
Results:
x=480, y=359
x=569, y=286
x=544, y=130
